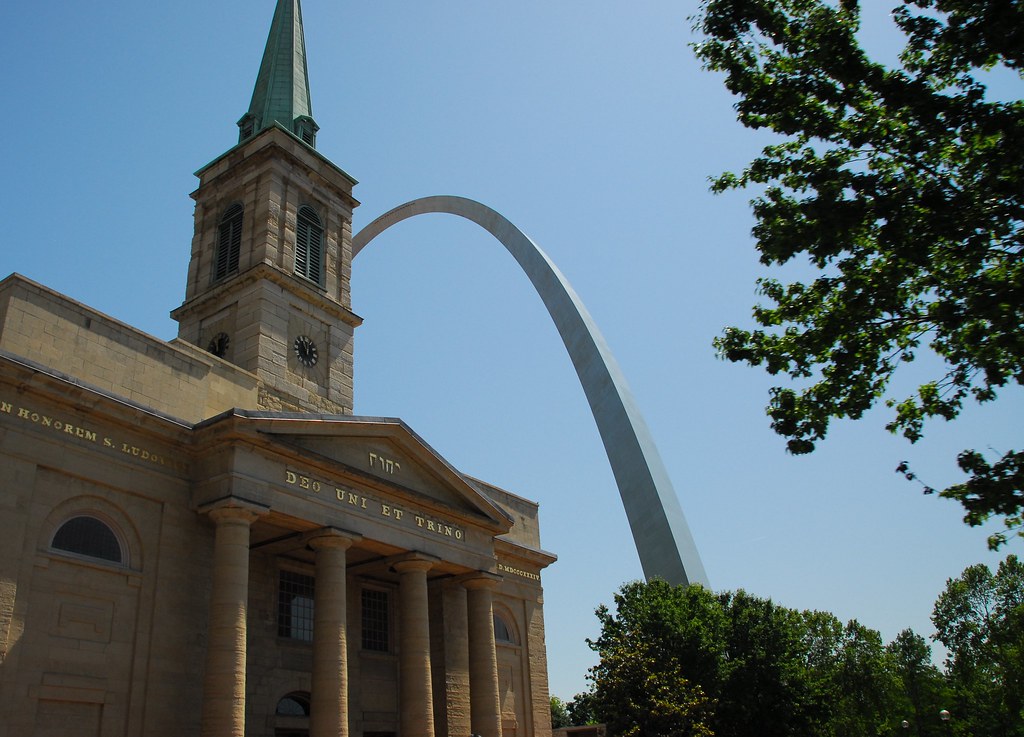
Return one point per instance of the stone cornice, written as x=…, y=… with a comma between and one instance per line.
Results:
x=533, y=556
x=271, y=144
x=308, y=294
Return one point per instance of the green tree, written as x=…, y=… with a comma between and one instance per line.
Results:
x=822, y=647
x=903, y=188
x=559, y=714
x=581, y=709
x=681, y=660
x=766, y=688
x=638, y=694
x=924, y=688
x=867, y=684
x=980, y=620
x=656, y=649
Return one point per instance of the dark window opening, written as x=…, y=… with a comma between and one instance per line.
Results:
x=294, y=705
x=90, y=537
x=295, y=606
x=229, y=242
x=375, y=620
x=502, y=632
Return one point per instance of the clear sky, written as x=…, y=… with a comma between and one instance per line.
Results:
x=591, y=126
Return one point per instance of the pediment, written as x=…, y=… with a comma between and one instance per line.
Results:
x=388, y=451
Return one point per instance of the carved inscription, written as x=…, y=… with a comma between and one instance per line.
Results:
x=303, y=482
x=518, y=572
x=63, y=427
x=379, y=462
x=375, y=507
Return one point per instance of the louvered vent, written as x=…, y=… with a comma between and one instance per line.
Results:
x=305, y=128
x=309, y=239
x=247, y=127
x=229, y=242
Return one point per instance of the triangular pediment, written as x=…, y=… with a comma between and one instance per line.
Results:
x=385, y=451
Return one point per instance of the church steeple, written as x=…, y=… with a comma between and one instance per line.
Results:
x=281, y=94
x=269, y=282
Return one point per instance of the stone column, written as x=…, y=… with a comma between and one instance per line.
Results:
x=328, y=713
x=485, y=701
x=224, y=677
x=416, y=691
x=456, y=662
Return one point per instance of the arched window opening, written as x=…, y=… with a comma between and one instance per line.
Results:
x=292, y=715
x=309, y=242
x=502, y=631
x=229, y=242
x=89, y=537
x=293, y=705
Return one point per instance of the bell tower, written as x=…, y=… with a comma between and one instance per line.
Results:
x=269, y=281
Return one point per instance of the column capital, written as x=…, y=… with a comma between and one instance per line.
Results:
x=240, y=510
x=332, y=538
x=411, y=562
x=480, y=580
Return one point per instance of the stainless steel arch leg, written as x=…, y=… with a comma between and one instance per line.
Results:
x=659, y=528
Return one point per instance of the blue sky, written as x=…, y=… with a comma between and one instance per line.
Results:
x=591, y=127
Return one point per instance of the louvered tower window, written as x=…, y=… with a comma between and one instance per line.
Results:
x=309, y=244
x=229, y=242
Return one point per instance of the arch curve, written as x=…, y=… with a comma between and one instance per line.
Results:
x=662, y=537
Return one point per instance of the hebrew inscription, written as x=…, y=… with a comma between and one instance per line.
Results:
x=380, y=463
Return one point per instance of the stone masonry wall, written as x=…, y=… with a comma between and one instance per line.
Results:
x=66, y=336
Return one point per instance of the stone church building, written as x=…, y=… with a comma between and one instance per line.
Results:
x=198, y=537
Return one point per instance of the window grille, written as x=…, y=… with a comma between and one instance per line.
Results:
x=229, y=242
x=309, y=239
x=90, y=537
x=295, y=606
x=375, y=620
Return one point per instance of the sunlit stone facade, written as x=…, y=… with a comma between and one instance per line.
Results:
x=197, y=537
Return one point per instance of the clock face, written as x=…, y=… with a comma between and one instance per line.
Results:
x=219, y=345
x=305, y=351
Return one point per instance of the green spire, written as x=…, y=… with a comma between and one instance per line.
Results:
x=282, y=88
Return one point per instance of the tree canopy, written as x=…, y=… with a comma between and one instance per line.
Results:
x=681, y=661
x=979, y=618
x=903, y=188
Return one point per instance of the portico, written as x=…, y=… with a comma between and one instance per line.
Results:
x=408, y=528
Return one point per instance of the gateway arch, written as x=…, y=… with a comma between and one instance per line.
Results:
x=662, y=537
